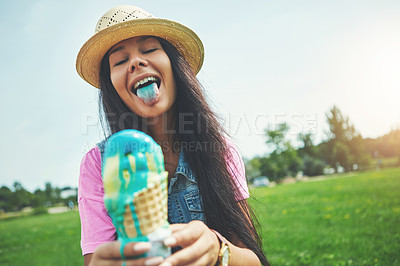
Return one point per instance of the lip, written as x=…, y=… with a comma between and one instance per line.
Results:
x=140, y=77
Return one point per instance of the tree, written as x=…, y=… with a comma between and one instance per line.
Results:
x=341, y=155
x=308, y=145
x=48, y=192
x=276, y=138
x=341, y=130
x=253, y=167
x=360, y=155
x=39, y=198
x=284, y=159
x=53, y=194
x=312, y=163
x=5, y=199
x=20, y=198
x=345, y=145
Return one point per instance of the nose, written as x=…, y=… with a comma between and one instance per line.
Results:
x=137, y=62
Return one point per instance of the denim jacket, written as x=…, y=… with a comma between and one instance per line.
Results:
x=184, y=200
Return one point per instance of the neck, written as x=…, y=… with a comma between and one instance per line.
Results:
x=162, y=129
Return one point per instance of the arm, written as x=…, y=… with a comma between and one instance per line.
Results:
x=96, y=225
x=87, y=258
x=242, y=256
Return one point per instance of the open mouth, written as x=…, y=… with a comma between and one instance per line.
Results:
x=145, y=82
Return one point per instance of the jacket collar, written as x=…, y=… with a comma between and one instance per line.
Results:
x=184, y=168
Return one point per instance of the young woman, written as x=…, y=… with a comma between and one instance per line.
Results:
x=211, y=221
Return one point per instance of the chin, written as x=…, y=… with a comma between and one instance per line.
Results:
x=152, y=111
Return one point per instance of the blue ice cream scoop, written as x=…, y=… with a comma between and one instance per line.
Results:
x=135, y=190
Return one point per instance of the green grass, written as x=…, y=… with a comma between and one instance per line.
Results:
x=350, y=219
x=48, y=239
x=389, y=162
x=353, y=219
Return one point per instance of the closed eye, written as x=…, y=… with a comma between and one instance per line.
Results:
x=121, y=62
x=149, y=51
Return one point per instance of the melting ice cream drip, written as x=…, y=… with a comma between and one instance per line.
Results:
x=135, y=189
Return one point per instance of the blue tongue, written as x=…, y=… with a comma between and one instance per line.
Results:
x=148, y=93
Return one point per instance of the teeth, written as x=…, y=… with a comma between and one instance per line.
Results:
x=143, y=81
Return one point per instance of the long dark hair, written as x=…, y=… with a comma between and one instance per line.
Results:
x=207, y=157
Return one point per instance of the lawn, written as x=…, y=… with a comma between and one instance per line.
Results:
x=49, y=239
x=349, y=219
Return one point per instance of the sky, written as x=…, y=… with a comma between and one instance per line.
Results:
x=266, y=62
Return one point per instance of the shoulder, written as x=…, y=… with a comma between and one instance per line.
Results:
x=91, y=161
x=90, y=173
x=237, y=169
x=234, y=158
x=92, y=157
x=233, y=149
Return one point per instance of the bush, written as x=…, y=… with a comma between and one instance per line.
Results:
x=40, y=210
x=313, y=166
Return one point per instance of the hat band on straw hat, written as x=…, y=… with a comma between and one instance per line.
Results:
x=124, y=22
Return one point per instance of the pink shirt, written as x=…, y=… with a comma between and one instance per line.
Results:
x=96, y=226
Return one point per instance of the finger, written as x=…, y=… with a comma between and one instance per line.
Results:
x=203, y=251
x=177, y=227
x=111, y=250
x=204, y=260
x=186, y=235
x=136, y=248
x=151, y=261
x=186, y=256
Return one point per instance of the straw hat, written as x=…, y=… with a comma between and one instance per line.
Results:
x=123, y=22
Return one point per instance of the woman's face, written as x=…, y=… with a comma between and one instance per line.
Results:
x=141, y=73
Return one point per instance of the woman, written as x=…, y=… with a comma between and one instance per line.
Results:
x=145, y=68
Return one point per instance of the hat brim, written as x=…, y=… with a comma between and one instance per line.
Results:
x=92, y=52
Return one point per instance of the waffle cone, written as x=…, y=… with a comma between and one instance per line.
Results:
x=150, y=206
